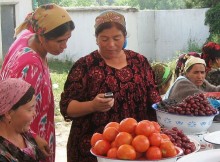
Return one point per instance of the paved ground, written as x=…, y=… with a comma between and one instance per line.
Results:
x=62, y=133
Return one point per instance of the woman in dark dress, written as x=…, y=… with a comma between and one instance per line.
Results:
x=109, y=69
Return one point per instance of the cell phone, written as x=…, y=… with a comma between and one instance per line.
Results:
x=108, y=95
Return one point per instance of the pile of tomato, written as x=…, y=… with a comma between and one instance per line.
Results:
x=132, y=140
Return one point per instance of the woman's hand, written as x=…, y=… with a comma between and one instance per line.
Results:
x=102, y=104
x=43, y=146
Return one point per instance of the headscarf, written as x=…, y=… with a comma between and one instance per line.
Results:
x=180, y=63
x=11, y=91
x=192, y=61
x=110, y=16
x=162, y=73
x=210, y=51
x=44, y=19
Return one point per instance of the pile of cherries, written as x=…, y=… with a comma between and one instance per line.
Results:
x=179, y=139
x=195, y=105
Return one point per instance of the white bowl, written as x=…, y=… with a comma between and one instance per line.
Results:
x=105, y=159
x=213, y=138
x=202, y=156
x=187, y=123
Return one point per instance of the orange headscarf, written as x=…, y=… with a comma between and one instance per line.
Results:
x=44, y=19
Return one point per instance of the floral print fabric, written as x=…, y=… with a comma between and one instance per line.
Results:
x=11, y=153
x=134, y=92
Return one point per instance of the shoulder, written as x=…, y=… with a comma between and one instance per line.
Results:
x=88, y=59
x=136, y=57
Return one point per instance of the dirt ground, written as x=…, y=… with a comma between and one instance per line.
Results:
x=62, y=133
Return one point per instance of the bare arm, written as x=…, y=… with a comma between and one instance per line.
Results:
x=98, y=104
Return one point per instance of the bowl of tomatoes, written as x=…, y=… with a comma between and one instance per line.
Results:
x=134, y=141
x=171, y=159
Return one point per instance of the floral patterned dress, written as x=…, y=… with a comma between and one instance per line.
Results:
x=134, y=92
x=22, y=62
x=11, y=153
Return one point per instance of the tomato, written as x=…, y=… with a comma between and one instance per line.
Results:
x=127, y=125
x=95, y=138
x=112, y=124
x=140, y=143
x=126, y=152
x=153, y=153
x=123, y=138
x=168, y=149
x=112, y=153
x=143, y=128
x=156, y=126
x=113, y=144
x=101, y=147
x=165, y=137
x=155, y=139
x=110, y=133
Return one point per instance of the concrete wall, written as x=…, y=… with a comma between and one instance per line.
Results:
x=158, y=35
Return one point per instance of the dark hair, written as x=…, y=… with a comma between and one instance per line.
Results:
x=109, y=25
x=25, y=99
x=60, y=30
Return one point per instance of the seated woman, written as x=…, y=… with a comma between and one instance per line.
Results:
x=17, y=110
x=193, y=81
x=163, y=77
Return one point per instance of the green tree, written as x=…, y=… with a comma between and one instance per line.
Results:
x=201, y=3
x=212, y=18
x=59, y=2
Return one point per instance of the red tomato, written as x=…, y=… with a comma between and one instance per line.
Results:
x=95, y=138
x=140, y=143
x=155, y=139
x=112, y=153
x=123, y=138
x=110, y=133
x=154, y=153
x=127, y=125
x=143, y=128
x=168, y=149
x=101, y=147
x=126, y=152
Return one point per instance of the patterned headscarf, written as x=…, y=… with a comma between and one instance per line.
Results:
x=44, y=19
x=181, y=62
x=11, y=91
x=162, y=73
x=210, y=51
x=110, y=16
x=192, y=61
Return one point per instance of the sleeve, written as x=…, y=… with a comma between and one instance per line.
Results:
x=183, y=88
x=211, y=88
x=74, y=87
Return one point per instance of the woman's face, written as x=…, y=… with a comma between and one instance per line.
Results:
x=197, y=74
x=56, y=46
x=110, y=42
x=22, y=117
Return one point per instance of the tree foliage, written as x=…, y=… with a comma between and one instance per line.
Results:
x=201, y=3
x=141, y=4
x=212, y=18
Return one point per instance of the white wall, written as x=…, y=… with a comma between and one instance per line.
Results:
x=158, y=35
